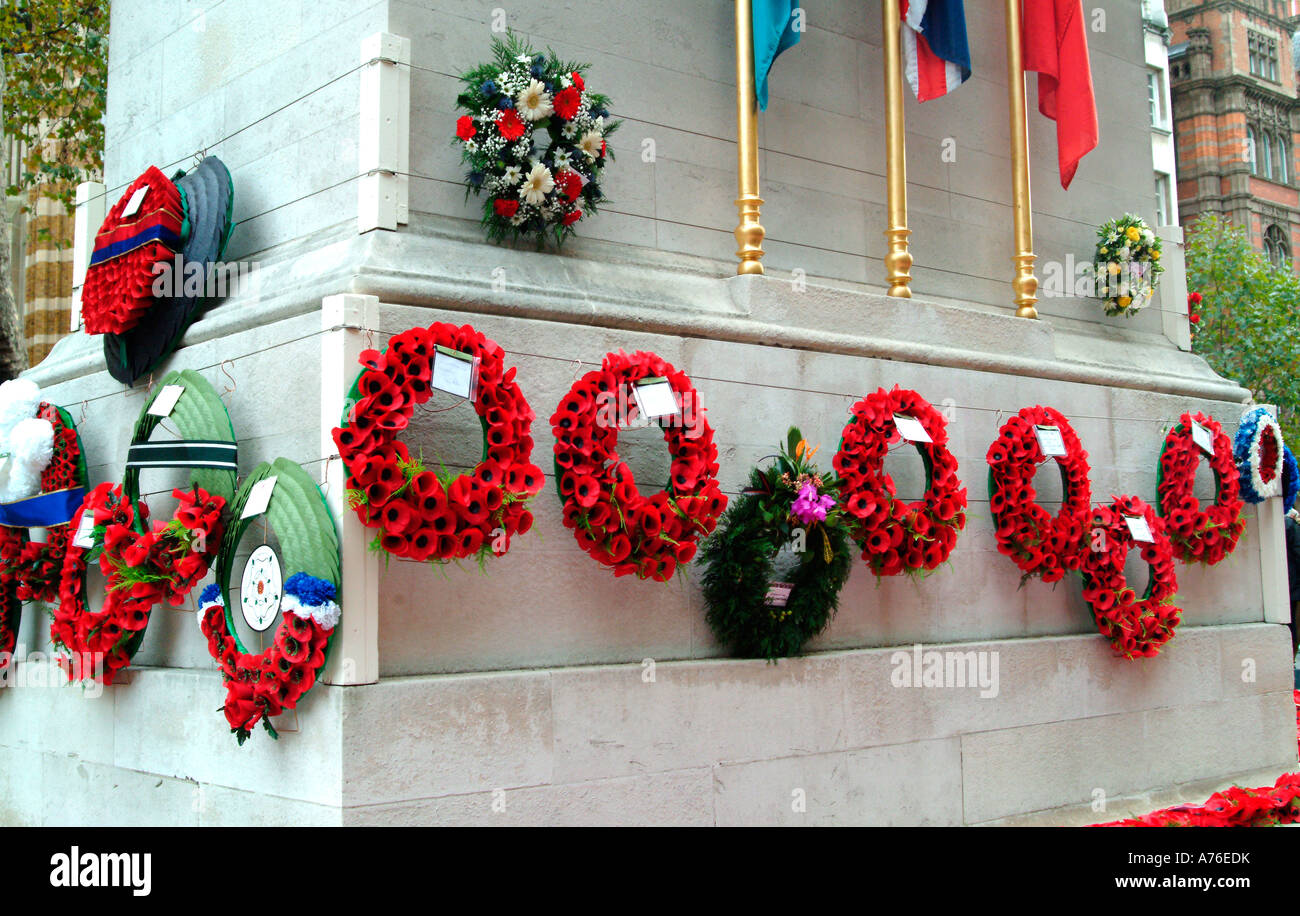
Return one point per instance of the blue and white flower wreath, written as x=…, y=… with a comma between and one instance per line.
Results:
x=1290, y=479
x=1257, y=423
x=306, y=596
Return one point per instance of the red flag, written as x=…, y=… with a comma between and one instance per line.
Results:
x=1055, y=45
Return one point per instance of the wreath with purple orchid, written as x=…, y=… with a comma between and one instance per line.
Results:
x=774, y=568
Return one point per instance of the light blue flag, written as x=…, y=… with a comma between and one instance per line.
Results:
x=774, y=31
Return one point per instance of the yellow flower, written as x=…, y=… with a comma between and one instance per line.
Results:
x=1124, y=301
x=1112, y=267
x=1155, y=254
x=1104, y=251
x=1132, y=233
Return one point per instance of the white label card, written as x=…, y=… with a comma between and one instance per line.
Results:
x=910, y=428
x=259, y=498
x=1050, y=441
x=165, y=402
x=1138, y=527
x=84, y=537
x=778, y=594
x=455, y=372
x=1203, y=438
x=655, y=398
x=38, y=535
x=134, y=203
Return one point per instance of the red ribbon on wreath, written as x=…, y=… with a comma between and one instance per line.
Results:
x=1040, y=544
x=144, y=566
x=610, y=518
x=1136, y=627
x=1202, y=535
x=419, y=517
x=897, y=536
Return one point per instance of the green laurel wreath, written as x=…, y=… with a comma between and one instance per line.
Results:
x=738, y=562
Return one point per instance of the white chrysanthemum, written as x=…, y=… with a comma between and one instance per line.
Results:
x=570, y=129
x=30, y=446
x=534, y=102
x=19, y=399
x=590, y=143
x=537, y=185
x=513, y=175
x=562, y=160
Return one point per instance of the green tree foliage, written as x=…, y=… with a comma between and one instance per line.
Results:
x=56, y=67
x=1248, y=329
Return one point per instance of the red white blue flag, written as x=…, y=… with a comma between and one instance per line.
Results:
x=936, y=57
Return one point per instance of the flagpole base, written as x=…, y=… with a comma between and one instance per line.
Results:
x=898, y=264
x=1025, y=285
x=749, y=235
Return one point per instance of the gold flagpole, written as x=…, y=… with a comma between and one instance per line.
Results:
x=1025, y=284
x=898, y=260
x=749, y=231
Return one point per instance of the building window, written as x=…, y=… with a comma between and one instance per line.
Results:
x=1156, y=98
x=1266, y=147
x=1263, y=56
x=1281, y=168
x=1251, y=151
x=1163, y=204
x=1276, y=246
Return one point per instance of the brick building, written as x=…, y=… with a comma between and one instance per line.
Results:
x=1236, y=114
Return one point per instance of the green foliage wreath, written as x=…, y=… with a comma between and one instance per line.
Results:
x=738, y=557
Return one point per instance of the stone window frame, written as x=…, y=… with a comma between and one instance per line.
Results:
x=1277, y=245
x=1262, y=53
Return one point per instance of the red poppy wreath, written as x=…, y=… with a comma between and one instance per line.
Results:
x=1201, y=535
x=897, y=536
x=144, y=227
x=146, y=563
x=29, y=569
x=420, y=515
x=609, y=516
x=1039, y=543
x=1136, y=627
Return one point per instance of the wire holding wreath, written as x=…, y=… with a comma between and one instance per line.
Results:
x=611, y=520
x=790, y=513
x=1040, y=544
x=1201, y=535
x=897, y=536
x=427, y=515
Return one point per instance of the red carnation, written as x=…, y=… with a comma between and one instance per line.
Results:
x=566, y=102
x=509, y=124
x=505, y=207
x=465, y=127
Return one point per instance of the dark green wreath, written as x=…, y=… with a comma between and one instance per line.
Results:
x=737, y=560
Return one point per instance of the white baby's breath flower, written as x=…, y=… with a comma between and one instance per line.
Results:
x=534, y=102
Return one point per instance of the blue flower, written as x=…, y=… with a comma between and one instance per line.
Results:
x=505, y=102
x=537, y=71
x=1290, y=479
x=210, y=595
x=309, y=590
x=488, y=89
x=475, y=179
